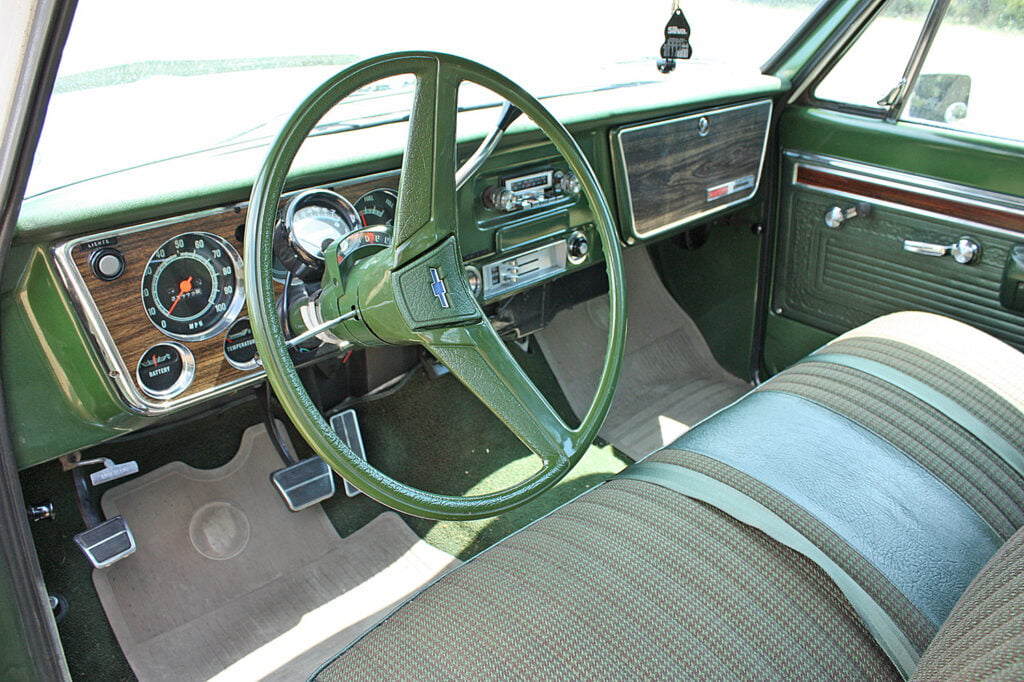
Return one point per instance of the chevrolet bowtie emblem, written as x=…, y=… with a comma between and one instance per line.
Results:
x=437, y=286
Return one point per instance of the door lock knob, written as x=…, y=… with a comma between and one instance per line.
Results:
x=836, y=216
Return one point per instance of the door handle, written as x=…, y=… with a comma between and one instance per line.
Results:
x=964, y=251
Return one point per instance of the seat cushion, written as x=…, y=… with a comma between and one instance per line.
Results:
x=634, y=580
x=978, y=372
x=630, y=580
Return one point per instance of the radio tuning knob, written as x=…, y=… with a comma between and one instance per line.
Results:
x=500, y=198
x=569, y=184
x=474, y=279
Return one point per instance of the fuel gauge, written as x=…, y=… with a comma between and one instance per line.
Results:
x=377, y=207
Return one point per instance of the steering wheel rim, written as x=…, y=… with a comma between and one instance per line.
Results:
x=425, y=236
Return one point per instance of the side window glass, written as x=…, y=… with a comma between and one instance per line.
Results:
x=970, y=79
x=870, y=70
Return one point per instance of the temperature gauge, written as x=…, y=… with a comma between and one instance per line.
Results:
x=165, y=370
x=240, y=346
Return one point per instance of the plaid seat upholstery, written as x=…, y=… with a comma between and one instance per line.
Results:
x=634, y=581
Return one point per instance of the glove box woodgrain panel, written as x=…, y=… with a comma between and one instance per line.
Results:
x=674, y=172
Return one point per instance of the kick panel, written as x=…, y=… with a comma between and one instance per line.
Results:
x=885, y=251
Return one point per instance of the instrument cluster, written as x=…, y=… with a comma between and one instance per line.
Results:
x=165, y=301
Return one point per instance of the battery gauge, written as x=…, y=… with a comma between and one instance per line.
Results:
x=165, y=370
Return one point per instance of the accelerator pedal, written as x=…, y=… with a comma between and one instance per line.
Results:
x=305, y=483
x=346, y=425
x=106, y=543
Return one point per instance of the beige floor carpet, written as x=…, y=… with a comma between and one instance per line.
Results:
x=228, y=584
x=670, y=380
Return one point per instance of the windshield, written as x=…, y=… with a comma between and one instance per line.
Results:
x=143, y=82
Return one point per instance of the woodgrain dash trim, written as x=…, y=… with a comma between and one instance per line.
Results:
x=910, y=198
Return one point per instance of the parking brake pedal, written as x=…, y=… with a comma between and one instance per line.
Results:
x=103, y=542
x=109, y=472
x=346, y=425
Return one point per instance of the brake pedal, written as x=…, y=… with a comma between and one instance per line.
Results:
x=304, y=483
x=106, y=543
x=346, y=425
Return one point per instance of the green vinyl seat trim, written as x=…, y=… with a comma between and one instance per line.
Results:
x=928, y=395
x=900, y=650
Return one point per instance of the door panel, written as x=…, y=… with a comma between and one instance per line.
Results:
x=921, y=185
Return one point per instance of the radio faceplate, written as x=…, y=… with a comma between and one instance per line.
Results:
x=531, y=190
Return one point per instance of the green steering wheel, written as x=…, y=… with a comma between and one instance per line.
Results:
x=391, y=294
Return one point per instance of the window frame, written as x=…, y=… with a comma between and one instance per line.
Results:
x=911, y=72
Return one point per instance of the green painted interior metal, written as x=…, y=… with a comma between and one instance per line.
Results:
x=15, y=655
x=988, y=163
x=787, y=342
x=815, y=39
x=427, y=220
x=63, y=400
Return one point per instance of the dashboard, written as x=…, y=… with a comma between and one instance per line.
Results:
x=164, y=302
x=125, y=300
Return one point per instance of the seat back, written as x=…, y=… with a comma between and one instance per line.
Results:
x=983, y=638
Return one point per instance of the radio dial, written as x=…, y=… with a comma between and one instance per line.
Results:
x=500, y=199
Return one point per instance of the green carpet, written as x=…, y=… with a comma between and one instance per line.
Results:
x=471, y=453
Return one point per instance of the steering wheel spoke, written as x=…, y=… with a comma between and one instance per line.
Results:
x=426, y=194
x=482, y=362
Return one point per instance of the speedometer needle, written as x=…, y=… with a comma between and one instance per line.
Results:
x=183, y=288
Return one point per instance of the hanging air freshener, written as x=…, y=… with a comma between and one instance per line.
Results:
x=677, y=40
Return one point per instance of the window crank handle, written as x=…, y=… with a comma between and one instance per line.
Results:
x=964, y=251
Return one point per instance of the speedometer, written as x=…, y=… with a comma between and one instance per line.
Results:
x=192, y=286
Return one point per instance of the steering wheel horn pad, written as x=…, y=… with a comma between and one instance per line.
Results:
x=432, y=291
